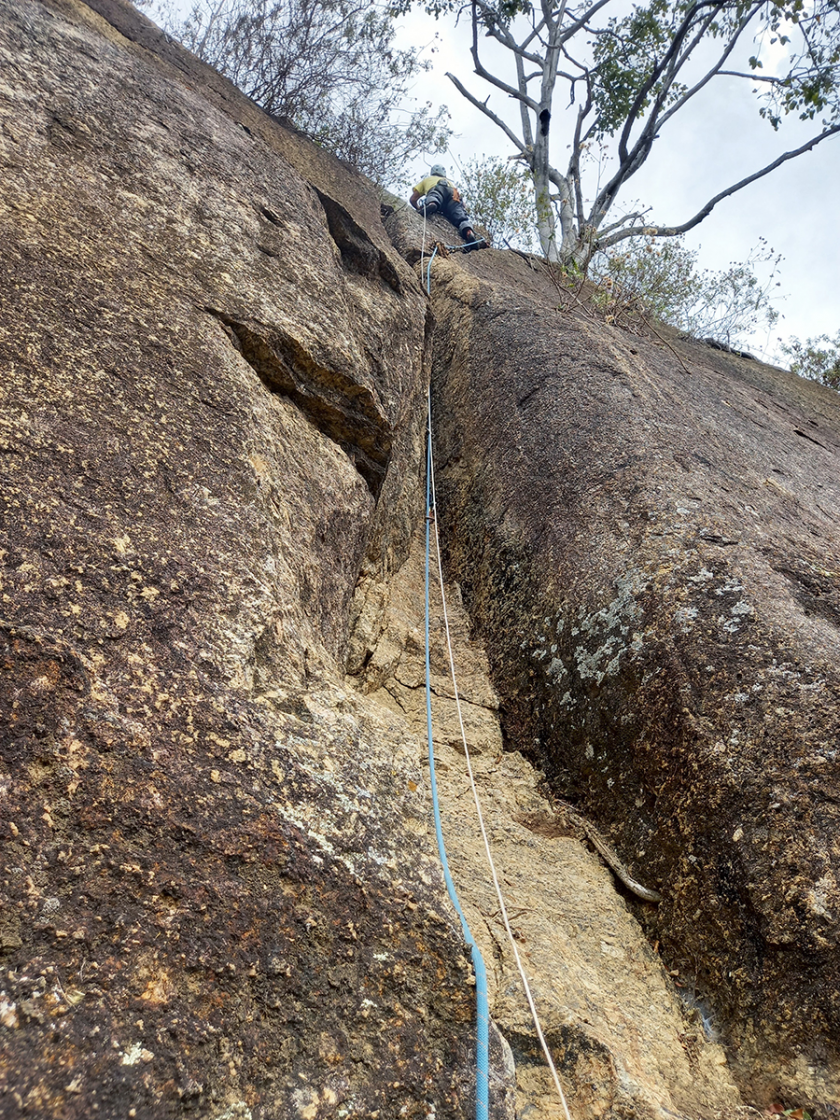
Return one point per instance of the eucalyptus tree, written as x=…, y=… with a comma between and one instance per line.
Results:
x=627, y=72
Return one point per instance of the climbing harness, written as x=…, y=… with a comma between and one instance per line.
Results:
x=482, y=1008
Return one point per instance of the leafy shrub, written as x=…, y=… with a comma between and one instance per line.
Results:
x=328, y=66
x=660, y=278
x=499, y=195
x=818, y=358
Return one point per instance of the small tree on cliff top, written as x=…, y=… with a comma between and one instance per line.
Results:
x=499, y=196
x=628, y=73
x=328, y=66
x=662, y=280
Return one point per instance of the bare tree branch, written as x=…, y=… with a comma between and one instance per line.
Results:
x=656, y=73
x=712, y=72
x=573, y=28
x=574, y=159
x=753, y=77
x=503, y=36
x=673, y=231
x=535, y=34
x=491, y=78
x=511, y=135
x=637, y=216
x=527, y=131
x=631, y=161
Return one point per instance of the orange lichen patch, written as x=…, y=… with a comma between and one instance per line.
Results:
x=159, y=989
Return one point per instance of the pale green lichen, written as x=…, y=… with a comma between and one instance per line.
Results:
x=615, y=621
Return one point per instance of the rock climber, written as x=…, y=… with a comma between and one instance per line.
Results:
x=436, y=195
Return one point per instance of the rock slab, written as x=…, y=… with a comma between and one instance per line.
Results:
x=645, y=535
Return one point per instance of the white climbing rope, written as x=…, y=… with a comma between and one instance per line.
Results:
x=500, y=898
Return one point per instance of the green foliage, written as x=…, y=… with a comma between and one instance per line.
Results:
x=626, y=54
x=629, y=53
x=660, y=279
x=502, y=11
x=499, y=195
x=328, y=66
x=818, y=359
x=810, y=85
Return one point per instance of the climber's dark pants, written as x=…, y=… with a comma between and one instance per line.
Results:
x=451, y=208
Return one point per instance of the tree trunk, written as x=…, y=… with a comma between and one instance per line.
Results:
x=546, y=227
x=566, y=247
x=570, y=243
x=546, y=224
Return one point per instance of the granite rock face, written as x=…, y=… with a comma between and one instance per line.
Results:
x=626, y=1040
x=645, y=535
x=220, y=896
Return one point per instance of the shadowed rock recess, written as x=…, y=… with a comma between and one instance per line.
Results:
x=220, y=895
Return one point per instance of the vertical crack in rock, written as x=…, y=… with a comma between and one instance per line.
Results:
x=660, y=617
x=340, y=409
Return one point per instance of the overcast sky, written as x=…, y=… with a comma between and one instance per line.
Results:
x=715, y=141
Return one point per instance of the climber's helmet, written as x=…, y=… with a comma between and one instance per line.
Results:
x=438, y=169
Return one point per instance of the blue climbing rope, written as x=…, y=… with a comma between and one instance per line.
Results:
x=482, y=1008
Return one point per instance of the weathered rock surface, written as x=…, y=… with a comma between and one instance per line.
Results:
x=624, y=1041
x=220, y=896
x=646, y=538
